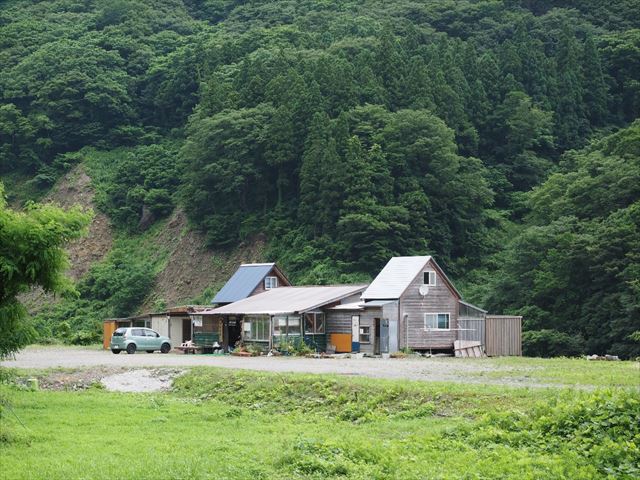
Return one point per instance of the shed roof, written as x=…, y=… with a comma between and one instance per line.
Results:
x=349, y=306
x=288, y=300
x=397, y=275
x=243, y=282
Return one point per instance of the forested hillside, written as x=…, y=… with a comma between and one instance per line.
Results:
x=498, y=136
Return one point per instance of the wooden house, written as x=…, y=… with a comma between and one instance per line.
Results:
x=286, y=314
x=425, y=311
x=248, y=280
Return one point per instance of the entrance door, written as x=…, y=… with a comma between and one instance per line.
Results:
x=384, y=335
x=234, y=330
x=187, y=329
x=376, y=337
x=355, y=333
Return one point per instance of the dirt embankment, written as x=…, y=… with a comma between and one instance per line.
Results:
x=75, y=189
x=191, y=267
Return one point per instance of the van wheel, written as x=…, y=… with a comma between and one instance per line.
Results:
x=131, y=348
x=116, y=352
x=165, y=348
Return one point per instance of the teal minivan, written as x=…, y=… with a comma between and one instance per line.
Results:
x=137, y=338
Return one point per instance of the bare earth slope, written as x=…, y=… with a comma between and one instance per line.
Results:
x=189, y=269
x=75, y=189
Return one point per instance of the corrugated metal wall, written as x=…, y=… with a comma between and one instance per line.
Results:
x=503, y=335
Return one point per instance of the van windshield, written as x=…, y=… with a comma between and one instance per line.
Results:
x=119, y=332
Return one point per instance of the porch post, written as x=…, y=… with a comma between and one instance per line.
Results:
x=225, y=333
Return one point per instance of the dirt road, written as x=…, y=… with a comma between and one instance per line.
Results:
x=423, y=369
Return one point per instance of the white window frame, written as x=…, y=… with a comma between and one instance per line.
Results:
x=255, y=326
x=270, y=282
x=282, y=325
x=432, y=278
x=362, y=329
x=427, y=328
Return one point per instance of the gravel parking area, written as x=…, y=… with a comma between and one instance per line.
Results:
x=418, y=368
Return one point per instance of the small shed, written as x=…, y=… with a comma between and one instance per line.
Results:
x=110, y=325
x=503, y=335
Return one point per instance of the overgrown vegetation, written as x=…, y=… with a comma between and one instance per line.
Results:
x=497, y=136
x=111, y=289
x=310, y=426
x=32, y=255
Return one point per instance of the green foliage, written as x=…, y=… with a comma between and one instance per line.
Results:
x=31, y=254
x=603, y=428
x=135, y=186
x=551, y=343
x=349, y=132
x=315, y=426
x=113, y=288
x=575, y=268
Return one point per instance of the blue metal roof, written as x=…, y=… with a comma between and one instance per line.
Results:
x=243, y=282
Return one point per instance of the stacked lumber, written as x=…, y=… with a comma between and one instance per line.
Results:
x=468, y=348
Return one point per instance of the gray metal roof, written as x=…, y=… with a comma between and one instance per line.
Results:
x=395, y=277
x=243, y=282
x=288, y=300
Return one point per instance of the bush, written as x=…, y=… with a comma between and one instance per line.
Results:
x=601, y=428
x=551, y=343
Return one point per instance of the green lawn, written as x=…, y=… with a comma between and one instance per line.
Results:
x=564, y=371
x=224, y=424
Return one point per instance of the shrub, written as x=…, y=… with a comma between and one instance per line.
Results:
x=601, y=428
x=551, y=343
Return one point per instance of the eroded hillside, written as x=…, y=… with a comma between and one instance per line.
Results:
x=187, y=269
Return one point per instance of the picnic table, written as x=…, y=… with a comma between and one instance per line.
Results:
x=189, y=347
x=201, y=342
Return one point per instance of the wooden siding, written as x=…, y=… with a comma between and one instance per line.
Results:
x=440, y=299
x=503, y=335
x=339, y=321
x=282, y=282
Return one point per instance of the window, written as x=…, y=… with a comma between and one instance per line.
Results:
x=436, y=321
x=270, y=282
x=293, y=328
x=286, y=325
x=365, y=334
x=256, y=328
x=313, y=323
x=429, y=278
x=137, y=332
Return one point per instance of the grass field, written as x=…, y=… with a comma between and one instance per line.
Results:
x=230, y=425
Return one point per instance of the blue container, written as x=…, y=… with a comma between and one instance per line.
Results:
x=355, y=347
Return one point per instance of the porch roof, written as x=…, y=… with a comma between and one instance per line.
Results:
x=288, y=300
